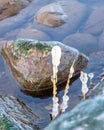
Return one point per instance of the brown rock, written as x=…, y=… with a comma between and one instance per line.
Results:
x=31, y=62
x=74, y=10
x=51, y=15
x=11, y=7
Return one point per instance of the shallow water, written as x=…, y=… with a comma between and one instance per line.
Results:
x=10, y=28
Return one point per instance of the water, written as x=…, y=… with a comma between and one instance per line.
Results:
x=10, y=29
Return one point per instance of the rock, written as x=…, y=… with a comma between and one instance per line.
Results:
x=31, y=62
x=51, y=15
x=32, y=33
x=74, y=10
x=101, y=41
x=95, y=23
x=16, y=115
x=89, y=115
x=5, y=124
x=98, y=54
x=82, y=41
x=11, y=7
x=91, y=1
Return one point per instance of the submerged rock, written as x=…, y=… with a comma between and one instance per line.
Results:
x=51, y=15
x=95, y=23
x=33, y=34
x=101, y=41
x=85, y=43
x=11, y=7
x=15, y=115
x=62, y=13
x=88, y=115
x=31, y=62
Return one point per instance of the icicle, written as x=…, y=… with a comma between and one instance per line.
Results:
x=56, y=55
x=55, y=108
x=91, y=75
x=65, y=97
x=84, y=80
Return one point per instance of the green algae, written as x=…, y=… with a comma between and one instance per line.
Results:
x=5, y=124
x=27, y=47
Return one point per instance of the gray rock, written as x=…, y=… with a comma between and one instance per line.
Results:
x=31, y=62
x=88, y=115
x=32, y=33
x=91, y=1
x=17, y=114
x=101, y=41
x=84, y=42
x=95, y=23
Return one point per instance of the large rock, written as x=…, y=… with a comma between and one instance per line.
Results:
x=88, y=115
x=95, y=23
x=85, y=43
x=31, y=62
x=11, y=7
x=14, y=115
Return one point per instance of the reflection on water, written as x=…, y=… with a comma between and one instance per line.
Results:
x=11, y=27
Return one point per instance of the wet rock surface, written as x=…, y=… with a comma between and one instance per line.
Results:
x=51, y=15
x=16, y=115
x=5, y=124
x=59, y=13
x=86, y=116
x=31, y=62
x=11, y=7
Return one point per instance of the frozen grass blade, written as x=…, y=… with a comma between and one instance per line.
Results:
x=56, y=55
x=65, y=97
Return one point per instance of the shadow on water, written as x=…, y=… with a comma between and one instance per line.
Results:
x=49, y=92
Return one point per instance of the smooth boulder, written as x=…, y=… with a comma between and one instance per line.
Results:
x=61, y=13
x=95, y=22
x=85, y=43
x=31, y=62
x=51, y=15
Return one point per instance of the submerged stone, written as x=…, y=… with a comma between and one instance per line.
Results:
x=77, y=40
x=10, y=8
x=51, y=15
x=64, y=13
x=31, y=62
x=95, y=23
